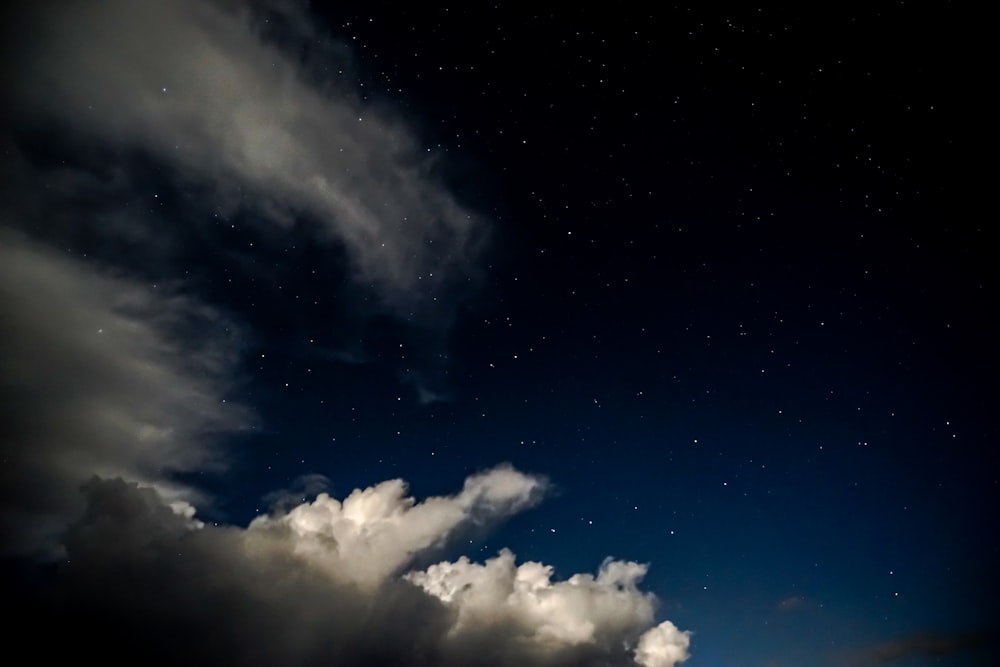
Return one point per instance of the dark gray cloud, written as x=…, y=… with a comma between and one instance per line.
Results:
x=923, y=645
x=141, y=583
x=100, y=374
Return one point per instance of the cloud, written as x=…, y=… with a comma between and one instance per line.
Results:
x=100, y=375
x=112, y=365
x=607, y=612
x=141, y=582
x=201, y=87
x=922, y=644
x=567, y=612
x=792, y=603
x=663, y=646
x=116, y=377
x=303, y=486
x=376, y=531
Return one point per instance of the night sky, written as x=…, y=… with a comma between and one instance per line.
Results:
x=694, y=307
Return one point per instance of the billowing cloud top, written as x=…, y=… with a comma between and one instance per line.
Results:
x=295, y=589
x=374, y=532
x=569, y=612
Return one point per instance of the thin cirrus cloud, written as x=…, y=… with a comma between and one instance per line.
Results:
x=98, y=378
x=923, y=645
x=199, y=87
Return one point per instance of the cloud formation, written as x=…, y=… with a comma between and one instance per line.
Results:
x=115, y=376
x=141, y=582
x=105, y=386
x=923, y=644
x=99, y=377
x=544, y=617
x=200, y=87
x=374, y=532
x=113, y=362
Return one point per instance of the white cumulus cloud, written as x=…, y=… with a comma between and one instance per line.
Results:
x=663, y=646
x=375, y=531
x=293, y=591
x=547, y=617
x=581, y=609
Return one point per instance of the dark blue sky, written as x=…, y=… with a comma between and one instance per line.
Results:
x=725, y=281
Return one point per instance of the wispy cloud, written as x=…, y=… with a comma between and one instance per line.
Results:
x=100, y=376
x=199, y=86
x=114, y=363
x=792, y=603
x=921, y=644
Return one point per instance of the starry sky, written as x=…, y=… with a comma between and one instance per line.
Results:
x=368, y=334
